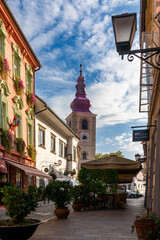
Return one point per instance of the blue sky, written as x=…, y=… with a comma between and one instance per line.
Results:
x=61, y=32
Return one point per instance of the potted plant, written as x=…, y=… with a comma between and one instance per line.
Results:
x=78, y=196
x=6, y=140
x=18, y=85
x=30, y=98
x=20, y=145
x=18, y=205
x=147, y=226
x=4, y=68
x=31, y=151
x=60, y=193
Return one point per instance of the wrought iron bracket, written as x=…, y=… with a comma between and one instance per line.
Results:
x=145, y=55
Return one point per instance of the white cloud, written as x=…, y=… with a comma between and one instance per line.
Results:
x=124, y=142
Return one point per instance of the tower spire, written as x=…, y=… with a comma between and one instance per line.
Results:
x=81, y=69
x=80, y=103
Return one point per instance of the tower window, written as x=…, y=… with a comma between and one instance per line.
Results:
x=84, y=124
x=84, y=156
x=70, y=123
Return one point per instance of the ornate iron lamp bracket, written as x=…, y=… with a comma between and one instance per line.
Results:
x=145, y=55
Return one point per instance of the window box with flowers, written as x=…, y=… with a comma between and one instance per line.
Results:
x=6, y=140
x=30, y=98
x=19, y=86
x=31, y=152
x=20, y=145
x=4, y=67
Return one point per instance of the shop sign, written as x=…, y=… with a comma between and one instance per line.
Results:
x=140, y=135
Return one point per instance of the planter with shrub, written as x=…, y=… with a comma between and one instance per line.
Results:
x=60, y=193
x=18, y=205
x=20, y=145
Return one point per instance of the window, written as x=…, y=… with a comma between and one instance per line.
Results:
x=84, y=124
x=18, y=178
x=84, y=156
x=2, y=38
x=53, y=143
x=74, y=154
x=41, y=136
x=60, y=148
x=65, y=151
x=30, y=134
x=18, y=128
x=4, y=115
x=29, y=75
x=16, y=61
x=30, y=180
x=70, y=123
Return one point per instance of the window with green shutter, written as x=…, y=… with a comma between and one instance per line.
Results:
x=29, y=76
x=16, y=61
x=2, y=38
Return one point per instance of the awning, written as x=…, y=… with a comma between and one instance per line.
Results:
x=3, y=168
x=127, y=169
x=28, y=170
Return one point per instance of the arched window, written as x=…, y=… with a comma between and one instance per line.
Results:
x=84, y=156
x=84, y=124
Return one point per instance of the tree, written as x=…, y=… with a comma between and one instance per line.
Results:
x=100, y=155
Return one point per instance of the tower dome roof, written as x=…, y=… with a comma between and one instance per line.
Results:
x=80, y=103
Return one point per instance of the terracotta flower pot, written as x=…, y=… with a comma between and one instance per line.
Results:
x=62, y=213
x=146, y=230
x=77, y=207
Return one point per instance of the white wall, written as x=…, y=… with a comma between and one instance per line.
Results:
x=46, y=158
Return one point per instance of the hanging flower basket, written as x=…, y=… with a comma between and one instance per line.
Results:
x=30, y=98
x=4, y=67
x=31, y=152
x=18, y=85
x=20, y=145
x=6, y=140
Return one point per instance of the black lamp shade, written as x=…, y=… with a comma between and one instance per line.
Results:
x=124, y=27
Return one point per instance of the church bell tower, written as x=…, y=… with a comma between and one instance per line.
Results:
x=83, y=122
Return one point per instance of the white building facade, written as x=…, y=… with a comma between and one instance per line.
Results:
x=56, y=145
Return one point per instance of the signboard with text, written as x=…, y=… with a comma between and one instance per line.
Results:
x=140, y=135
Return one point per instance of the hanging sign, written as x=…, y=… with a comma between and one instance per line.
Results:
x=140, y=135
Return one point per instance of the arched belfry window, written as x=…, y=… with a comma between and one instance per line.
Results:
x=84, y=156
x=84, y=124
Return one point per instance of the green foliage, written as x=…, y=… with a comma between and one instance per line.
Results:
x=148, y=216
x=98, y=180
x=19, y=203
x=59, y=192
x=20, y=145
x=2, y=185
x=100, y=155
x=31, y=151
x=78, y=194
x=6, y=140
x=41, y=192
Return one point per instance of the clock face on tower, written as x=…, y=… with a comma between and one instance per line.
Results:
x=84, y=137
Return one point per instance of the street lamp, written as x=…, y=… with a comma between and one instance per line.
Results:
x=137, y=156
x=124, y=27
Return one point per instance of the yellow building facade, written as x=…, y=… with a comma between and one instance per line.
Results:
x=150, y=99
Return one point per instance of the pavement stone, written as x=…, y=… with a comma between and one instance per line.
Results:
x=89, y=224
